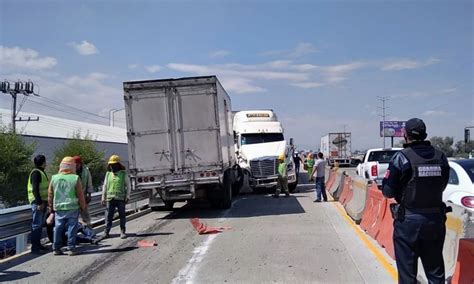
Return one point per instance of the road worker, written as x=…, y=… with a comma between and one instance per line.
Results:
x=37, y=188
x=319, y=173
x=416, y=178
x=309, y=166
x=116, y=193
x=282, y=177
x=65, y=198
x=86, y=181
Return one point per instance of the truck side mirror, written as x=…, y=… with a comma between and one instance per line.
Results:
x=291, y=141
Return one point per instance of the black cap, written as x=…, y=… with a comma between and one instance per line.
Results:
x=415, y=128
x=39, y=160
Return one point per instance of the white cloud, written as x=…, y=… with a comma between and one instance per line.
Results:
x=243, y=71
x=303, y=48
x=219, y=53
x=405, y=63
x=240, y=85
x=435, y=113
x=85, y=48
x=17, y=58
x=153, y=68
x=300, y=50
x=448, y=91
x=308, y=85
x=132, y=66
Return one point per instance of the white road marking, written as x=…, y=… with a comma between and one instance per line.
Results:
x=189, y=272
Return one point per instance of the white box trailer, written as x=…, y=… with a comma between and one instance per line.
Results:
x=336, y=147
x=180, y=140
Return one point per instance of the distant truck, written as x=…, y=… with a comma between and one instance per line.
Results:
x=180, y=140
x=336, y=147
x=375, y=164
x=259, y=140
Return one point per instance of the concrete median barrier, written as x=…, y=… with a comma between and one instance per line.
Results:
x=338, y=186
x=458, y=250
x=459, y=225
x=373, y=211
x=355, y=207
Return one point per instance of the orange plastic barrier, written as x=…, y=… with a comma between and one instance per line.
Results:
x=464, y=272
x=385, y=235
x=373, y=211
x=331, y=179
x=346, y=194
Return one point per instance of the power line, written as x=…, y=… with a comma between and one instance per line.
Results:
x=77, y=109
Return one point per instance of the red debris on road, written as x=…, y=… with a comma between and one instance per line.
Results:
x=203, y=229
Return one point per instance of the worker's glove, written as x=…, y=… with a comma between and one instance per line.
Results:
x=102, y=202
x=126, y=200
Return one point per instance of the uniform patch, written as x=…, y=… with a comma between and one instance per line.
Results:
x=429, y=171
x=387, y=174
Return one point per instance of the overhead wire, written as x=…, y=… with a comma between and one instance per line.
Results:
x=77, y=109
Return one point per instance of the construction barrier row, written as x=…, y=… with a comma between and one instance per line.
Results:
x=365, y=204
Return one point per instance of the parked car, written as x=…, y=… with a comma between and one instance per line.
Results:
x=460, y=189
x=375, y=164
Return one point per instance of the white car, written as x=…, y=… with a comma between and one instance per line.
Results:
x=460, y=189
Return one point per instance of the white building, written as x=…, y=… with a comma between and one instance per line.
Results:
x=51, y=132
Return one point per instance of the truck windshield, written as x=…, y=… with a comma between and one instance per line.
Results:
x=381, y=156
x=256, y=138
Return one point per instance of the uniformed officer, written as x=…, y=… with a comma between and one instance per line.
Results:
x=416, y=178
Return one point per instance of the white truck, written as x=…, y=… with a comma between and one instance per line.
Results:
x=259, y=141
x=180, y=140
x=336, y=147
x=375, y=164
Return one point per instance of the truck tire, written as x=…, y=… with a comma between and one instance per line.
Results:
x=226, y=201
x=292, y=187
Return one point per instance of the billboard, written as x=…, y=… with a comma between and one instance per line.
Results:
x=392, y=128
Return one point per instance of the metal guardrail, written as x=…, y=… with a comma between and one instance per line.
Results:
x=17, y=220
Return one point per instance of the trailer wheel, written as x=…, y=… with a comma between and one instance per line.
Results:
x=168, y=205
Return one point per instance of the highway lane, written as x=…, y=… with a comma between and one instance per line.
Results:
x=285, y=240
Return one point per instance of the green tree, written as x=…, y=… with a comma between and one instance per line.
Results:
x=15, y=166
x=462, y=149
x=91, y=157
x=444, y=144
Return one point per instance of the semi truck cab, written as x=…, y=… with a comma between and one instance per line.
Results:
x=259, y=140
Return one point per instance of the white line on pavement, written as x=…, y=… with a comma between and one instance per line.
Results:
x=188, y=273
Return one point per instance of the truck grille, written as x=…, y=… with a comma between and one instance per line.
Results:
x=264, y=168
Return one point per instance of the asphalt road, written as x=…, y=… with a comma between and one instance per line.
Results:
x=285, y=240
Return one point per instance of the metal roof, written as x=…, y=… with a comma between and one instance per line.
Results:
x=55, y=127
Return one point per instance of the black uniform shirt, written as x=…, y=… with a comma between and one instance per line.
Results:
x=400, y=172
x=35, y=182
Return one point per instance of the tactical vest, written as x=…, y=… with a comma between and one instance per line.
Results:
x=65, y=197
x=116, y=186
x=43, y=186
x=424, y=189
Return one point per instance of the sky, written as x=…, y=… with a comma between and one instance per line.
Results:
x=322, y=66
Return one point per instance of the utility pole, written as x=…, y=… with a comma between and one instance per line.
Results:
x=383, y=115
x=23, y=88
